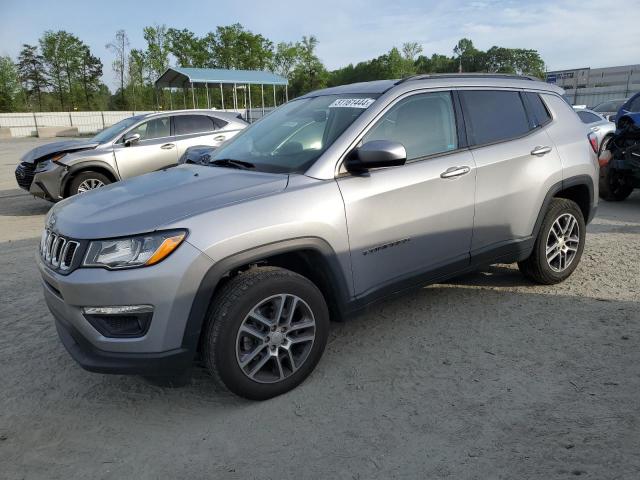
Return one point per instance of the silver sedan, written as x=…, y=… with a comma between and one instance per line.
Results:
x=598, y=124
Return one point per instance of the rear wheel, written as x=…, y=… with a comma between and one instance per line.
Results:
x=86, y=181
x=559, y=244
x=266, y=333
x=614, y=185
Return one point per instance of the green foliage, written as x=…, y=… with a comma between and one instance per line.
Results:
x=32, y=73
x=62, y=73
x=72, y=70
x=9, y=85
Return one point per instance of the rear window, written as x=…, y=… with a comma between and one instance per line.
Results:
x=539, y=113
x=493, y=115
x=186, y=124
x=588, y=117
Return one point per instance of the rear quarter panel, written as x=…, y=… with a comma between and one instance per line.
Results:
x=569, y=135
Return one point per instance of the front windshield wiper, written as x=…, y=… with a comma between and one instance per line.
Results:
x=230, y=163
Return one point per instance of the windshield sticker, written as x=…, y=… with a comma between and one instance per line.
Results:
x=352, y=103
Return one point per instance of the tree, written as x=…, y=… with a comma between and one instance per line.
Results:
x=187, y=48
x=410, y=50
x=157, y=53
x=32, y=72
x=285, y=58
x=90, y=74
x=53, y=59
x=9, y=84
x=310, y=73
x=119, y=47
x=234, y=47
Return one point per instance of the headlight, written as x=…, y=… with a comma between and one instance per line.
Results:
x=47, y=164
x=42, y=166
x=138, y=251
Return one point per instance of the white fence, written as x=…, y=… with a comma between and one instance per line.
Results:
x=87, y=123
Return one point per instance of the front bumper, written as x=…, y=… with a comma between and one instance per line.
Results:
x=170, y=287
x=48, y=183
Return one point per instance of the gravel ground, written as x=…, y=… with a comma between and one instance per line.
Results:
x=487, y=377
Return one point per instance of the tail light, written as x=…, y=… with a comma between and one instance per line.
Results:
x=593, y=141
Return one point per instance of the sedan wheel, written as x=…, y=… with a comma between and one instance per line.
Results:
x=89, y=184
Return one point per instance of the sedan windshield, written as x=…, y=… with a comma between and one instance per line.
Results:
x=612, y=106
x=115, y=129
x=291, y=139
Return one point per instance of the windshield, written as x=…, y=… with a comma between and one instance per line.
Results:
x=612, y=106
x=291, y=138
x=115, y=129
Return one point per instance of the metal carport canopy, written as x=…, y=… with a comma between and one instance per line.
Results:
x=178, y=77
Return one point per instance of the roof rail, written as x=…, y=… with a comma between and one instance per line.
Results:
x=426, y=76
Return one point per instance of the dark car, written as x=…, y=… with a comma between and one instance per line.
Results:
x=620, y=164
x=632, y=105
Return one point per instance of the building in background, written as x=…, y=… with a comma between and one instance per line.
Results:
x=590, y=86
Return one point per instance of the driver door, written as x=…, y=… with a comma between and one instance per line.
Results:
x=417, y=218
x=155, y=150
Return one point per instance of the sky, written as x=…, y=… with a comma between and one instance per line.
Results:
x=566, y=33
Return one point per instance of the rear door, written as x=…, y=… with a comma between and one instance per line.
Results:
x=411, y=219
x=196, y=129
x=155, y=149
x=516, y=163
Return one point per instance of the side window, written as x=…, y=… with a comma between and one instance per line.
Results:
x=493, y=115
x=635, y=105
x=588, y=117
x=156, y=128
x=425, y=124
x=186, y=124
x=218, y=123
x=537, y=109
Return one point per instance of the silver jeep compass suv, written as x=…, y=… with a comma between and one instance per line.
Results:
x=336, y=199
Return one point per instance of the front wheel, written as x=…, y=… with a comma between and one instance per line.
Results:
x=86, y=181
x=266, y=333
x=559, y=244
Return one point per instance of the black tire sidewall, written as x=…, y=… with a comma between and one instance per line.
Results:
x=557, y=209
x=82, y=176
x=224, y=349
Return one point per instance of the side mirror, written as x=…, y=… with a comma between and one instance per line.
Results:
x=376, y=154
x=131, y=139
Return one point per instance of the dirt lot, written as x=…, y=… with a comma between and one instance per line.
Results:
x=485, y=377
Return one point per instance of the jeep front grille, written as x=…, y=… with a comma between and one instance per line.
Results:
x=57, y=251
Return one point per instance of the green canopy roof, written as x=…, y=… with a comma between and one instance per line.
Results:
x=181, y=77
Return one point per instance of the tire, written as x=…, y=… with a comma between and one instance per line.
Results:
x=613, y=185
x=538, y=267
x=81, y=181
x=231, y=354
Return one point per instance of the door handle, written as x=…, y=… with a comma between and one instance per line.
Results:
x=455, y=172
x=167, y=146
x=539, y=151
x=219, y=138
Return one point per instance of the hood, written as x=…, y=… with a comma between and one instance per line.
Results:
x=146, y=203
x=49, y=149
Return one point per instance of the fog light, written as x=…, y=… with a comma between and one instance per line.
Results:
x=120, y=321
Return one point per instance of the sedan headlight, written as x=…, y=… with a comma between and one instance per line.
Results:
x=42, y=166
x=130, y=252
x=47, y=164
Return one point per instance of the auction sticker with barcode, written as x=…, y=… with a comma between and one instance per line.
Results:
x=352, y=103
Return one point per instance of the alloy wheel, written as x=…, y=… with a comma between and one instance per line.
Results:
x=90, y=184
x=275, y=338
x=563, y=241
